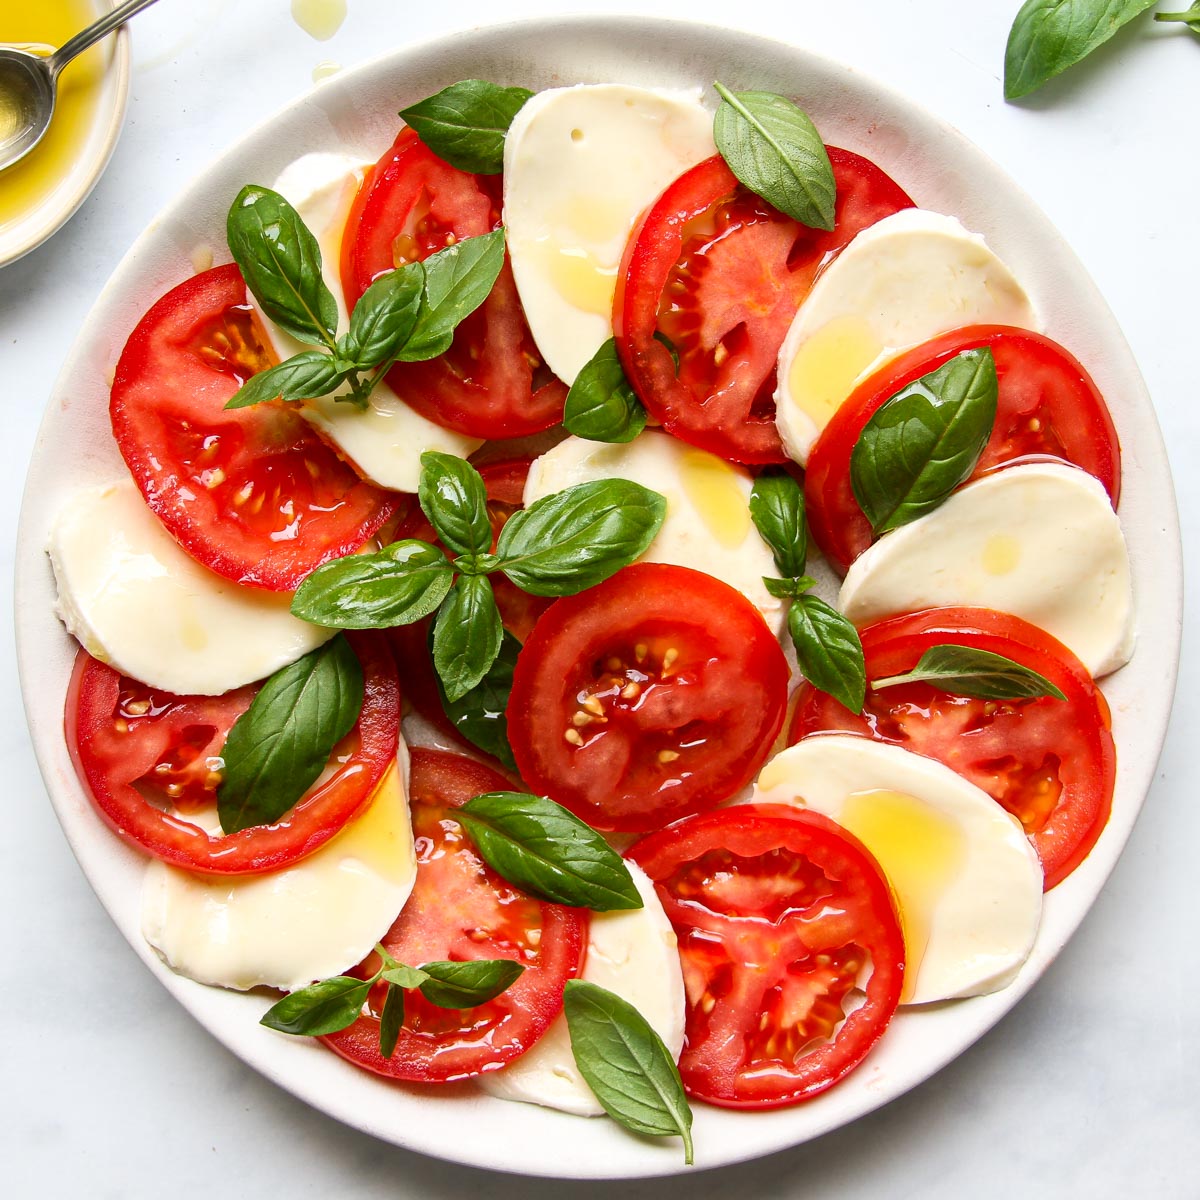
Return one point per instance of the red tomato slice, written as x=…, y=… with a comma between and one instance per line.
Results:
x=778, y=912
x=254, y=494
x=1051, y=763
x=656, y=694
x=1047, y=405
x=461, y=910
x=721, y=273
x=491, y=383
x=140, y=752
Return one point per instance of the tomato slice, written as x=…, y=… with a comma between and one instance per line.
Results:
x=461, y=910
x=1051, y=763
x=779, y=914
x=656, y=694
x=491, y=383
x=254, y=494
x=141, y=752
x=1047, y=405
x=720, y=273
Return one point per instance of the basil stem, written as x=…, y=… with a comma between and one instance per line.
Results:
x=465, y=123
x=1191, y=18
x=964, y=671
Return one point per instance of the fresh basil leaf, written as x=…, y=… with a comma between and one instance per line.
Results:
x=788, y=589
x=1048, y=36
x=454, y=498
x=306, y=376
x=465, y=123
x=920, y=445
x=466, y=635
x=324, y=1007
x=457, y=281
x=397, y=585
x=403, y=976
x=466, y=984
x=626, y=1064
x=1191, y=18
x=601, y=405
x=391, y=1019
x=281, y=743
x=480, y=715
x=828, y=650
x=384, y=317
x=580, y=536
x=280, y=260
x=775, y=150
x=777, y=509
x=540, y=846
x=476, y=564
x=964, y=671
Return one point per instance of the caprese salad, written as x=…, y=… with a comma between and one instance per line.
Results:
x=451, y=651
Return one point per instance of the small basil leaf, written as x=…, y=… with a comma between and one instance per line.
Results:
x=828, y=650
x=775, y=150
x=540, y=846
x=601, y=405
x=1191, y=18
x=404, y=976
x=306, y=376
x=626, y=1064
x=465, y=123
x=1048, y=36
x=920, y=445
x=480, y=715
x=477, y=564
x=466, y=635
x=385, y=316
x=280, y=260
x=391, y=1019
x=281, y=743
x=324, y=1007
x=786, y=589
x=964, y=671
x=454, y=498
x=580, y=536
x=397, y=585
x=777, y=509
x=466, y=984
x=457, y=281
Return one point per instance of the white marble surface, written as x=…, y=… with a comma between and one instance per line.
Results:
x=1092, y=1083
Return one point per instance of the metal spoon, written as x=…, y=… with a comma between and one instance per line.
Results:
x=29, y=83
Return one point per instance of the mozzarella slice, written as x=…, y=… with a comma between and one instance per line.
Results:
x=631, y=953
x=581, y=164
x=900, y=282
x=1040, y=541
x=967, y=882
x=708, y=525
x=134, y=599
x=385, y=441
x=288, y=928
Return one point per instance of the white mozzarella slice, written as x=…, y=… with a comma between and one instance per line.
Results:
x=1040, y=541
x=581, y=165
x=708, y=525
x=286, y=929
x=631, y=953
x=900, y=282
x=385, y=441
x=968, y=884
x=134, y=599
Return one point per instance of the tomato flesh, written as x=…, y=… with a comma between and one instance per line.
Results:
x=1051, y=763
x=779, y=914
x=461, y=910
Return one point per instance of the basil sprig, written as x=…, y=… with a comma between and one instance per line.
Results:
x=626, y=1064
x=828, y=649
x=775, y=150
x=465, y=124
x=480, y=715
x=965, y=671
x=558, y=546
x=336, y=1003
x=279, y=746
x=1048, y=36
x=1191, y=18
x=923, y=442
x=601, y=405
x=542, y=848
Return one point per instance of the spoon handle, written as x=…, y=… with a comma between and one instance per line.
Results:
x=94, y=32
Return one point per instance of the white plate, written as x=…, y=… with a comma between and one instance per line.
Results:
x=941, y=170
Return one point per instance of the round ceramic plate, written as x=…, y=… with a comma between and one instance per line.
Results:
x=356, y=112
